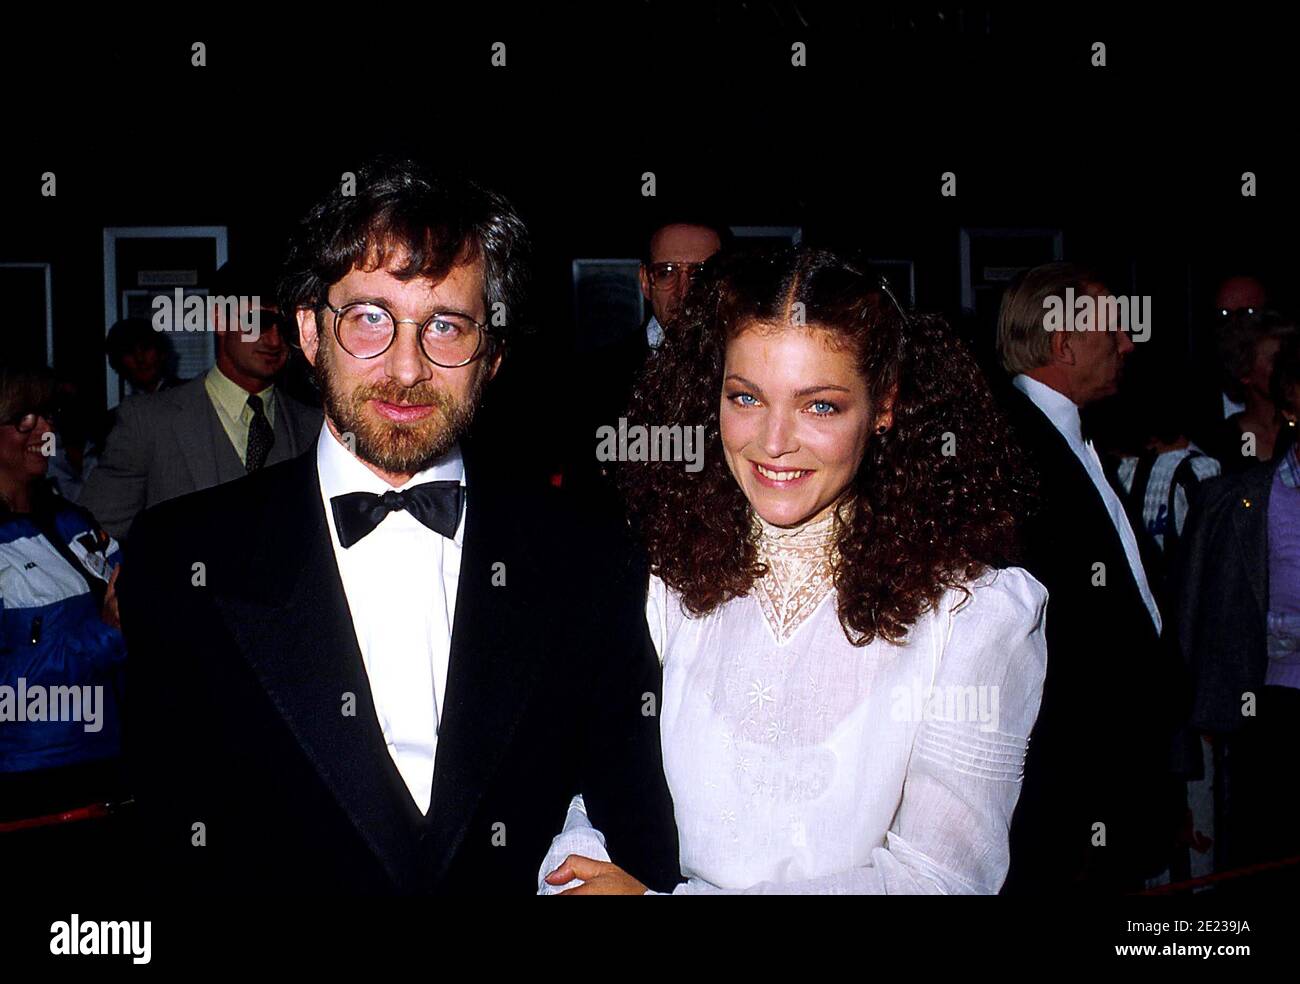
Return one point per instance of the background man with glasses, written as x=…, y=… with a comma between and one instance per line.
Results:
x=674, y=250
x=675, y=246
x=400, y=689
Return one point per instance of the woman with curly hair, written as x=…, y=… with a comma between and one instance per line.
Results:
x=851, y=666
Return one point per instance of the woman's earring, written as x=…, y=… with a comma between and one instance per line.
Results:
x=881, y=429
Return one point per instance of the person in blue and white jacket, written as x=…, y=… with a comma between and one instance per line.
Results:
x=61, y=650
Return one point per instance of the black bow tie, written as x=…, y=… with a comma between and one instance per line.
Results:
x=435, y=504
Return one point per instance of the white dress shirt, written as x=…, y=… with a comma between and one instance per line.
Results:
x=400, y=582
x=811, y=766
x=1064, y=415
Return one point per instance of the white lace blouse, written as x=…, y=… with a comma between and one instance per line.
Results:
x=799, y=763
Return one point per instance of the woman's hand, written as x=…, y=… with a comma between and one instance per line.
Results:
x=109, y=612
x=600, y=877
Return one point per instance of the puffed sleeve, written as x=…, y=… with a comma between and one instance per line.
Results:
x=950, y=834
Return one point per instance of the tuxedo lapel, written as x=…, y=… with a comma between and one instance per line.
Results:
x=288, y=611
x=494, y=660
x=1054, y=453
x=1056, y=458
x=1149, y=553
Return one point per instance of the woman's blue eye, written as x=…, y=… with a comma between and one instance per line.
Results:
x=741, y=397
x=829, y=408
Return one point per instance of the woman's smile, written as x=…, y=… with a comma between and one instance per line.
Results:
x=775, y=477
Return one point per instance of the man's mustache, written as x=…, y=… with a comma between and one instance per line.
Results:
x=421, y=395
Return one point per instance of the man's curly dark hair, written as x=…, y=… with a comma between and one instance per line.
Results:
x=427, y=221
x=936, y=496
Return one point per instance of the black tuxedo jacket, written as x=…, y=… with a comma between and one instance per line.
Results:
x=243, y=664
x=1114, y=694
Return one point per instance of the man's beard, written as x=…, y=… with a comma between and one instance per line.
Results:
x=402, y=448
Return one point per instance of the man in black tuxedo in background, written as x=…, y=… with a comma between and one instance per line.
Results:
x=1095, y=807
x=385, y=667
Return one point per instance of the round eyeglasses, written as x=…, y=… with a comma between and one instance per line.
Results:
x=449, y=339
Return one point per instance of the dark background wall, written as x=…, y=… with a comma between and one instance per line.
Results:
x=1139, y=163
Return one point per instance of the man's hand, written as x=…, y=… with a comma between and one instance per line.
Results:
x=599, y=877
x=109, y=612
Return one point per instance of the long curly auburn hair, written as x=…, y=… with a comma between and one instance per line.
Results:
x=935, y=498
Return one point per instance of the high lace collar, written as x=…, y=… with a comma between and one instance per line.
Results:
x=800, y=570
x=818, y=534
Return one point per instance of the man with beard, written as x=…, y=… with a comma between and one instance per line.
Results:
x=385, y=667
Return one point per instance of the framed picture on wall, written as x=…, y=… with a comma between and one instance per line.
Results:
x=141, y=262
x=768, y=235
x=901, y=275
x=990, y=258
x=607, y=301
x=192, y=353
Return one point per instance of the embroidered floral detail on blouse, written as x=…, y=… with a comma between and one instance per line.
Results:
x=798, y=574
